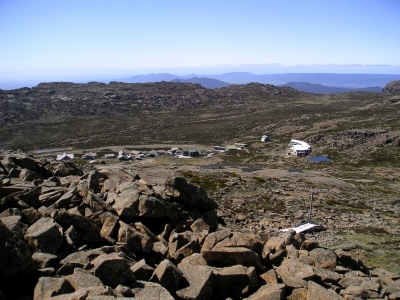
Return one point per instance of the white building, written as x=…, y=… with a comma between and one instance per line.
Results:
x=265, y=138
x=299, y=148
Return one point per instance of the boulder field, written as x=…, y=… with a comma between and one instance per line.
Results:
x=108, y=234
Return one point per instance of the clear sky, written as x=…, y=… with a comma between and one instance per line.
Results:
x=71, y=37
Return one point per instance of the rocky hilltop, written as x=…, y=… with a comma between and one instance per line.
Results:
x=392, y=87
x=51, y=102
x=69, y=232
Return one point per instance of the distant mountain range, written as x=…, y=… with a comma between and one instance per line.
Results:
x=320, y=83
x=323, y=89
x=209, y=83
x=328, y=79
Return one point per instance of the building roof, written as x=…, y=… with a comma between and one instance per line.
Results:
x=302, y=227
x=231, y=147
x=299, y=145
x=65, y=156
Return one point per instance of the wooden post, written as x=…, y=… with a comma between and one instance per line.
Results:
x=311, y=200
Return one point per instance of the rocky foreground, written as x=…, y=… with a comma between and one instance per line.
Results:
x=108, y=234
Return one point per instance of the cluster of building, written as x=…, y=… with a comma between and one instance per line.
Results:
x=236, y=146
x=296, y=148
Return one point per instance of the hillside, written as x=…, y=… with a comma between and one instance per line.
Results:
x=60, y=113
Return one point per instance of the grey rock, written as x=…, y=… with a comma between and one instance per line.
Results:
x=78, y=295
x=143, y=290
x=323, y=258
x=112, y=269
x=317, y=292
x=15, y=256
x=31, y=215
x=179, y=190
x=291, y=267
x=44, y=236
x=355, y=291
x=49, y=287
x=51, y=196
x=93, y=181
x=294, y=282
x=269, y=277
x=134, y=239
x=328, y=276
x=126, y=204
x=123, y=291
x=151, y=207
x=270, y=292
x=235, y=281
x=109, y=222
x=201, y=280
x=183, y=244
x=228, y=256
x=65, y=199
x=75, y=260
x=44, y=260
x=82, y=279
x=15, y=225
x=214, y=238
x=142, y=271
x=71, y=235
x=168, y=275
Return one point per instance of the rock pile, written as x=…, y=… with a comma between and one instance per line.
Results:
x=108, y=234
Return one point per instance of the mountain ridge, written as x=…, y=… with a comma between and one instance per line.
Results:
x=323, y=89
x=350, y=81
x=206, y=82
x=328, y=79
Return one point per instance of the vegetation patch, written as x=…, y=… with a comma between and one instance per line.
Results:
x=333, y=202
x=259, y=179
x=209, y=183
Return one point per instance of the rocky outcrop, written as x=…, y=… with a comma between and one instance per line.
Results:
x=392, y=87
x=76, y=239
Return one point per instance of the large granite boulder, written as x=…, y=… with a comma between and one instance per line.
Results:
x=168, y=275
x=15, y=256
x=230, y=256
x=200, y=281
x=112, y=269
x=44, y=236
x=183, y=244
x=235, y=281
x=51, y=286
x=290, y=267
x=318, y=292
x=152, y=207
x=179, y=190
x=82, y=279
x=143, y=290
x=270, y=292
x=134, y=239
x=323, y=258
x=126, y=204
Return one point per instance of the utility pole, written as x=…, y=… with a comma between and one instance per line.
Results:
x=311, y=200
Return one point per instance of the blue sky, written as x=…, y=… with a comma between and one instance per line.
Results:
x=45, y=38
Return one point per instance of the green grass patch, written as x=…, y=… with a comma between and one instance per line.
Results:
x=209, y=183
